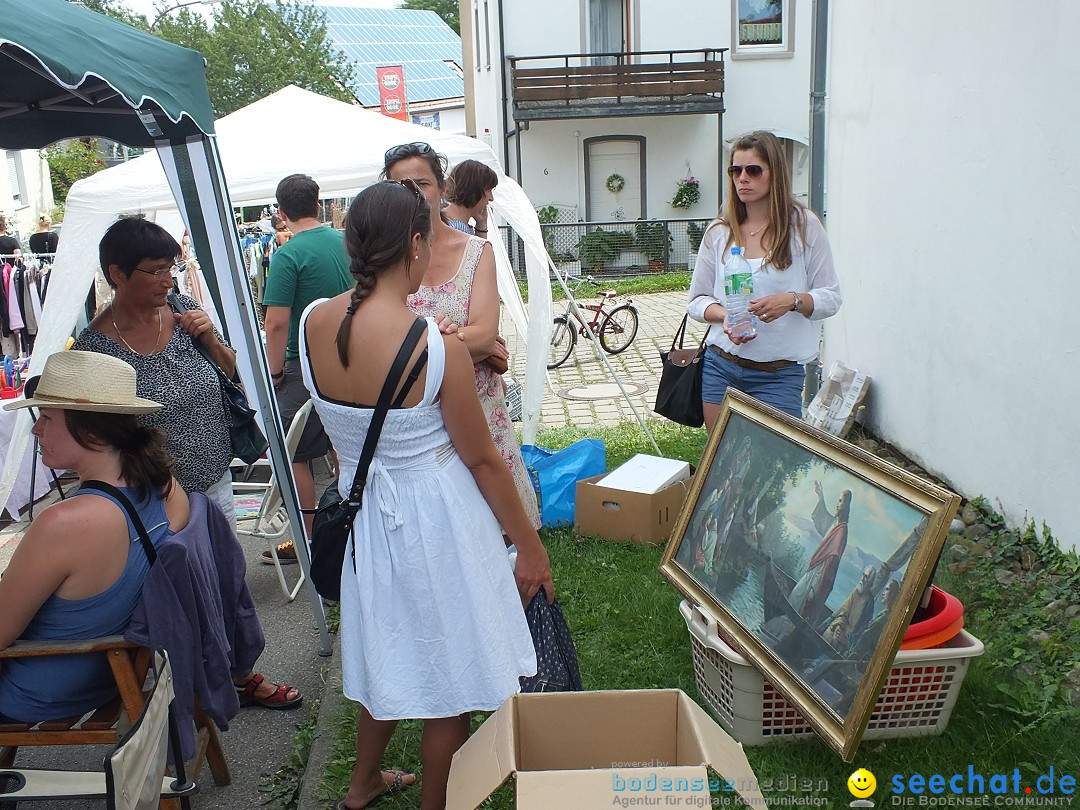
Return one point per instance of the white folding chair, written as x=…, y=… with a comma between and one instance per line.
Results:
x=271, y=521
x=134, y=777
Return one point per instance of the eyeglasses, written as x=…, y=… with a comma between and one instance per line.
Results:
x=161, y=272
x=410, y=184
x=752, y=170
x=405, y=150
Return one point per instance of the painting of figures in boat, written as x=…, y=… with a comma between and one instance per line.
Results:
x=812, y=554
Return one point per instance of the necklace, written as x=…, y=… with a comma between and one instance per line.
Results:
x=759, y=230
x=120, y=335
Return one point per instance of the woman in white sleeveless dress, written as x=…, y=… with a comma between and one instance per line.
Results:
x=432, y=625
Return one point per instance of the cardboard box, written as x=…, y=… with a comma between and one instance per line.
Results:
x=616, y=514
x=648, y=474
x=585, y=750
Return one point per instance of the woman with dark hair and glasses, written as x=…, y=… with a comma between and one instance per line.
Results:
x=139, y=260
x=432, y=625
x=795, y=283
x=460, y=291
x=470, y=192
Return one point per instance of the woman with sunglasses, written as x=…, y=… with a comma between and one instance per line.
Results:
x=795, y=283
x=139, y=259
x=432, y=625
x=459, y=290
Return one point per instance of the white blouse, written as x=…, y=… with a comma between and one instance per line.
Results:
x=792, y=336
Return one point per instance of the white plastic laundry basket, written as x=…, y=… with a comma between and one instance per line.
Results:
x=916, y=699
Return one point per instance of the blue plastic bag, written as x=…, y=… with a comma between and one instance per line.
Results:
x=555, y=474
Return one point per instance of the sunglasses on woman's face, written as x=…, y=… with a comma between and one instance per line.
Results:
x=751, y=170
x=405, y=150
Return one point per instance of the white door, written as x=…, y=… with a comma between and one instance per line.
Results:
x=607, y=157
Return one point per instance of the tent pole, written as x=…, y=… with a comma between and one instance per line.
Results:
x=595, y=341
x=194, y=171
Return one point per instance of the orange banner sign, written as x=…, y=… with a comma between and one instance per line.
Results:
x=392, y=92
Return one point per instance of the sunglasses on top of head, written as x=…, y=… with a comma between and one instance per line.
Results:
x=406, y=150
x=751, y=170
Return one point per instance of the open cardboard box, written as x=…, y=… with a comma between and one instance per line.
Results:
x=616, y=514
x=585, y=750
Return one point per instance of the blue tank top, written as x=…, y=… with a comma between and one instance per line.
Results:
x=53, y=687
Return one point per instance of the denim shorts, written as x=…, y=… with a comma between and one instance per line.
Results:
x=781, y=388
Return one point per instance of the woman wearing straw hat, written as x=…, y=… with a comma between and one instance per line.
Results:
x=63, y=581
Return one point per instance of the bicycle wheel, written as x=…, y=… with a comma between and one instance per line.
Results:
x=563, y=338
x=619, y=329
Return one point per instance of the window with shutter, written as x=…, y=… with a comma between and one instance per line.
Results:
x=15, y=179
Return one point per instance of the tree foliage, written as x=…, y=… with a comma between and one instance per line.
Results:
x=70, y=161
x=449, y=10
x=254, y=49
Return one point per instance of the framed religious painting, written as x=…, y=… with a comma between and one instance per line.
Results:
x=762, y=29
x=812, y=554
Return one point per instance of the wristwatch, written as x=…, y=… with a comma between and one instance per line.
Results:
x=796, y=304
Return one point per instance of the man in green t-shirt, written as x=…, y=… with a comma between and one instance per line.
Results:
x=309, y=266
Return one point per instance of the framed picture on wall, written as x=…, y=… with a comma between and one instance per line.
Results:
x=762, y=28
x=812, y=554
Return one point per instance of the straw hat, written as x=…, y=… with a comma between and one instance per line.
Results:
x=85, y=381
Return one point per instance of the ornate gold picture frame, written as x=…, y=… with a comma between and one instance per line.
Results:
x=812, y=554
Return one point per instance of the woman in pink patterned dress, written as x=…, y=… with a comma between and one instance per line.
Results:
x=460, y=291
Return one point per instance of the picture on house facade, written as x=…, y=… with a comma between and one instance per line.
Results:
x=762, y=27
x=811, y=554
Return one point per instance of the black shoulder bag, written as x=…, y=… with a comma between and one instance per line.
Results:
x=129, y=507
x=333, y=516
x=247, y=440
x=678, y=396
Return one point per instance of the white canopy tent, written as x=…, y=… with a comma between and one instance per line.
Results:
x=341, y=146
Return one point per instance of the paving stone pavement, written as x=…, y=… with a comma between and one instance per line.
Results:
x=638, y=367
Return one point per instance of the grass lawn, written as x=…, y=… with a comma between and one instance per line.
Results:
x=1012, y=711
x=639, y=285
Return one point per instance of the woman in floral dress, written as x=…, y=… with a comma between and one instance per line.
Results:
x=460, y=291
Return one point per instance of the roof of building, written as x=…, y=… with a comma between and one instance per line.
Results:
x=420, y=41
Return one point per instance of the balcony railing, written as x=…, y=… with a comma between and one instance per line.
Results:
x=611, y=84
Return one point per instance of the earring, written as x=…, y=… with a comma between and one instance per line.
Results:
x=417, y=257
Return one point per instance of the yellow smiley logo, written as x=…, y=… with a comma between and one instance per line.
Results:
x=861, y=783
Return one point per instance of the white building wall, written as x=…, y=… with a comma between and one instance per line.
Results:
x=768, y=93
x=553, y=161
x=953, y=197
x=34, y=196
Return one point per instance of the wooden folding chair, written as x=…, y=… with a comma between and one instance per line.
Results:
x=129, y=664
x=134, y=776
x=272, y=522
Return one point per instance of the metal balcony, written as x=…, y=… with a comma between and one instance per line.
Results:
x=617, y=84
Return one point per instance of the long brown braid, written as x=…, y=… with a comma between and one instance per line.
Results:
x=379, y=228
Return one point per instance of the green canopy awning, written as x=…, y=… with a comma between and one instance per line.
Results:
x=68, y=72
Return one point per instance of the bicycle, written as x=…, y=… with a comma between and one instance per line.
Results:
x=616, y=328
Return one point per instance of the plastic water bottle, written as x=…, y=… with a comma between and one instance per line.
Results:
x=738, y=290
